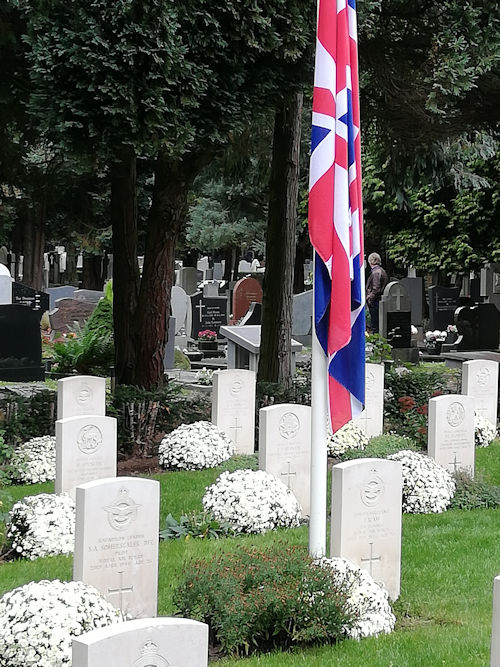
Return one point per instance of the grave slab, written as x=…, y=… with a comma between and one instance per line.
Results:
x=116, y=542
x=86, y=450
x=450, y=437
x=81, y=395
x=480, y=379
x=233, y=407
x=366, y=518
x=371, y=420
x=285, y=447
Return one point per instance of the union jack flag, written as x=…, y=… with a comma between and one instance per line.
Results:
x=335, y=209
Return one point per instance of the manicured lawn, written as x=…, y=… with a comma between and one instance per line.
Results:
x=449, y=561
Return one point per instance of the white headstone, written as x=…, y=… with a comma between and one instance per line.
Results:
x=81, y=395
x=5, y=286
x=145, y=642
x=179, y=303
x=366, y=518
x=495, y=629
x=86, y=450
x=371, y=420
x=480, y=379
x=450, y=438
x=285, y=447
x=116, y=541
x=233, y=407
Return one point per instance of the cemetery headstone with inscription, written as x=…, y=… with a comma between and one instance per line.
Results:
x=116, y=541
x=450, y=438
x=233, y=407
x=20, y=344
x=395, y=315
x=371, y=419
x=443, y=302
x=366, y=518
x=144, y=642
x=245, y=292
x=86, y=449
x=285, y=447
x=81, y=395
x=31, y=298
x=480, y=380
x=207, y=313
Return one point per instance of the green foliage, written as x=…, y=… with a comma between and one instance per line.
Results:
x=377, y=349
x=181, y=360
x=101, y=319
x=25, y=417
x=256, y=600
x=240, y=462
x=474, y=493
x=380, y=447
x=6, y=452
x=90, y=352
x=195, y=524
x=299, y=391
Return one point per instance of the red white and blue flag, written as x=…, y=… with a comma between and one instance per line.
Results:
x=335, y=209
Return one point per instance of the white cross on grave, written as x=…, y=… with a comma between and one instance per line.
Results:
x=201, y=308
x=372, y=559
x=398, y=294
x=288, y=474
x=121, y=590
x=236, y=428
x=454, y=463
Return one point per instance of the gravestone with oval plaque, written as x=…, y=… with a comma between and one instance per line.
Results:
x=116, y=541
x=366, y=518
x=86, y=450
x=480, y=379
x=81, y=395
x=233, y=407
x=450, y=438
x=371, y=420
x=285, y=447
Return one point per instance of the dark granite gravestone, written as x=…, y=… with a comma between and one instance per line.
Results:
x=20, y=344
x=415, y=287
x=69, y=311
x=254, y=314
x=395, y=315
x=443, y=302
x=169, y=356
x=478, y=328
x=490, y=283
x=207, y=313
x=22, y=295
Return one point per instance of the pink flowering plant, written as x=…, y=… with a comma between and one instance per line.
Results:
x=207, y=335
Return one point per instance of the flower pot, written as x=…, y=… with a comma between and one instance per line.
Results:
x=207, y=345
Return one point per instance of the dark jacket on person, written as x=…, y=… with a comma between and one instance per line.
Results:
x=375, y=285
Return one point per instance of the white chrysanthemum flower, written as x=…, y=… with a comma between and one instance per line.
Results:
x=195, y=447
x=252, y=501
x=39, y=620
x=368, y=600
x=350, y=436
x=427, y=486
x=34, y=461
x=42, y=525
x=484, y=431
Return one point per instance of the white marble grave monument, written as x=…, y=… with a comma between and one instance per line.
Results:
x=86, y=449
x=285, y=447
x=116, y=541
x=371, y=420
x=81, y=395
x=450, y=437
x=5, y=286
x=233, y=407
x=495, y=625
x=145, y=642
x=480, y=379
x=366, y=518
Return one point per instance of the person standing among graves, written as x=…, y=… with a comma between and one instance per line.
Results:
x=375, y=285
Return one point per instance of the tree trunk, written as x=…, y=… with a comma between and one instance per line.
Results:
x=276, y=333
x=167, y=217
x=125, y=267
x=34, y=243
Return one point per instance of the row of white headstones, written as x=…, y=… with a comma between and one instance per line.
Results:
x=116, y=540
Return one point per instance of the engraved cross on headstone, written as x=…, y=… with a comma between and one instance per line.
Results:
x=372, y=559
x=454, y=463
x=397, y=292
x=236, y=428
x=121, y=590
x=288, y=474
x=201, y=308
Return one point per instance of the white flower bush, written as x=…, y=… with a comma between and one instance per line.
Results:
x=367, y=599
x=252, y=501
x=427, y=486
x=195, y=447
x=484, y=431
x=350, y=436
x=39, y=620
x=35, y=461
x=42, y=525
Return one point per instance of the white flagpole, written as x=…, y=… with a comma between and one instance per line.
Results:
x=319, y=456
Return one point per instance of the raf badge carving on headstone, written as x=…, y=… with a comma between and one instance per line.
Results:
x=122, y=512
x=151, y=657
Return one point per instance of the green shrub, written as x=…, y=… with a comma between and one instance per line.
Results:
x=180, y=360
x=474, y=493
x=202, y=525
x=377, y=349
x=255, y=600
x=25, y=417
x=102, y=318
x=380, y=447
x=89, y=352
